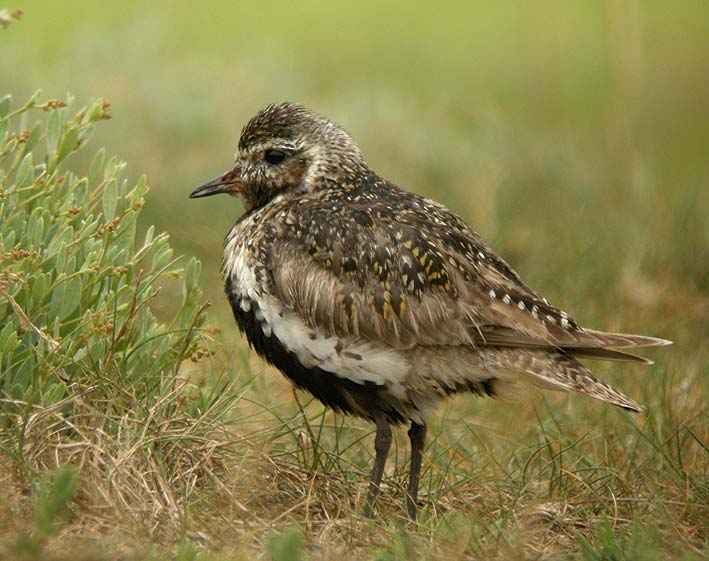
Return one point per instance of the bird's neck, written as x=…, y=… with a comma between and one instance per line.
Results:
x=258, y=196
x=342, y=168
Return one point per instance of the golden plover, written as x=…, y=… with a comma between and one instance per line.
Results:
x=379, y=302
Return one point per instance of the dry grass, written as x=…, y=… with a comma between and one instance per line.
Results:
x=519, y=483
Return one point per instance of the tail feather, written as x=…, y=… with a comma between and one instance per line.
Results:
x=572, y=375
x=559, y=371
x=496, y=336
x=605, y=354
x=624, y=340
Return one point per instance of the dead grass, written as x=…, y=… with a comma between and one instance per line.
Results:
x=515, y=483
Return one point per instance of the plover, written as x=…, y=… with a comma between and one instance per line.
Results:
x=379, y=302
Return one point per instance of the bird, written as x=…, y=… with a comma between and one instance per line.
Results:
x=379, y=302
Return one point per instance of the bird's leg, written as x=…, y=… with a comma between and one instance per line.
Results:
x=417, y=436
x=382, y=443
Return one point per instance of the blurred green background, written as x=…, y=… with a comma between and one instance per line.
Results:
x=574, y=136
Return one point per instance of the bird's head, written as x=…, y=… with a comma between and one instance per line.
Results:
x=285, y=149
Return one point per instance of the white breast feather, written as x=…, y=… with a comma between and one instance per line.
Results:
x=358, y=361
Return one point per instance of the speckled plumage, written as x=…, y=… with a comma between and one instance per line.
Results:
x=380, y=302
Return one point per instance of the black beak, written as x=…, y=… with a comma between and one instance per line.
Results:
x=221, y=184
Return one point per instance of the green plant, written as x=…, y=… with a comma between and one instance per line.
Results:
x=7, y=17
x=89, y=374
x=55, y=492
x=287, y=546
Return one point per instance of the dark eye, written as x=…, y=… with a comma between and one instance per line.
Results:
x=274, y=157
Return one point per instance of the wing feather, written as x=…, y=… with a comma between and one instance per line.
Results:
x=415, y=274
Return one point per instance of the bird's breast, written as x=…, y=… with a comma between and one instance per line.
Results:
x=249, y=291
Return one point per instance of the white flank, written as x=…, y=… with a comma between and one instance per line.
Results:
x=354, y=360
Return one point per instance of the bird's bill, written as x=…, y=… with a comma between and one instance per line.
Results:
x=225, y=183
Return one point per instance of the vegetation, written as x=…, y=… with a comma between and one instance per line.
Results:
x=90, y=378
x=136, y=427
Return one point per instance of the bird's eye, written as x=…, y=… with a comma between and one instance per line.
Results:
x=274, y=157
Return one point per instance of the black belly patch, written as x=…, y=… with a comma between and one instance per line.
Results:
x=366, y=400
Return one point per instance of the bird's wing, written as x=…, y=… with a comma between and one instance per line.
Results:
x=406, y=271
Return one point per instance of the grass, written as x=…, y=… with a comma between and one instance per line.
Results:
x=570, y=136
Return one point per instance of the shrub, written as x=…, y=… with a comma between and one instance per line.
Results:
x=90, y=376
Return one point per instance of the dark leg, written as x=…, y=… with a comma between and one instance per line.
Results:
x=417, y=436
x=382, y=443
